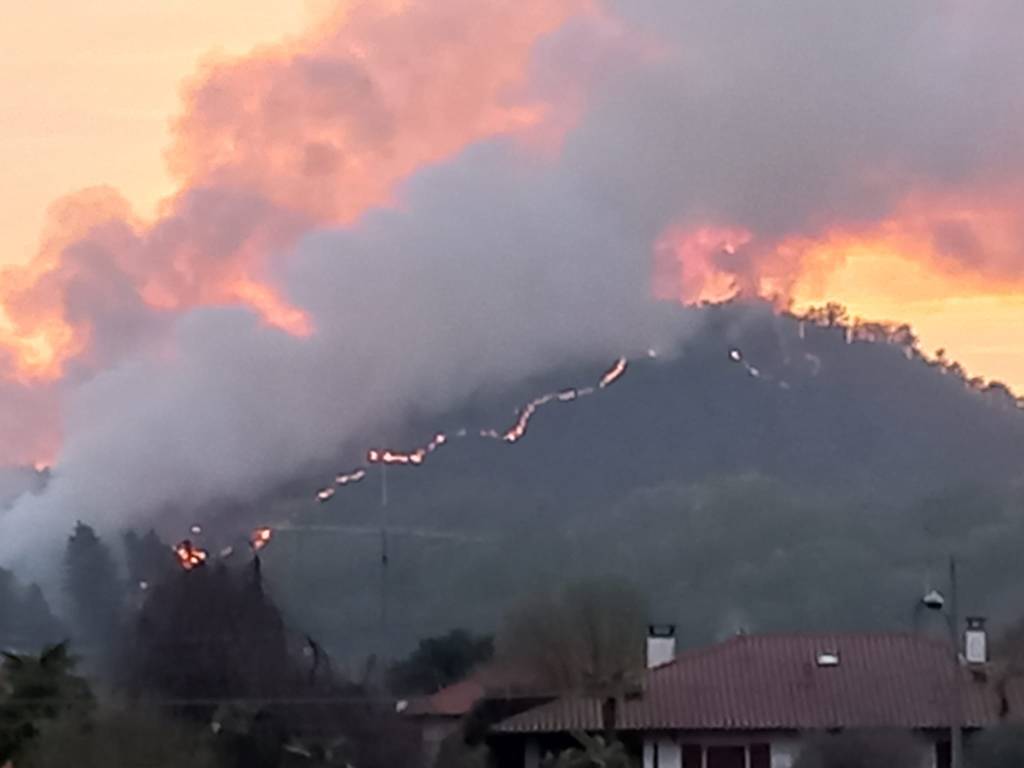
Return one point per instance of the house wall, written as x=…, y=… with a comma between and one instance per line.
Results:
x=784, y=751
x=433, y=731
x=664, y=750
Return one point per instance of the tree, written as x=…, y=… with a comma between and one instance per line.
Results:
x=25, y=618
x=593, y=752
x=149, y=559
x=861, y=749
x=38, y=624
x=37, y=689
x=588, y=634
x=588, y=638
x=209, y=634
x=95, y=592
x=440, y=661
x=120, y=737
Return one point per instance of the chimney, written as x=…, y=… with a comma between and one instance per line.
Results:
x=975, y=641
x=661, y=644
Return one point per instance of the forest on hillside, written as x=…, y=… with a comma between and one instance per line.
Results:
x=820, y=481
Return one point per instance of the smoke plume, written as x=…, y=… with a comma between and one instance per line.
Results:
x=414, y=204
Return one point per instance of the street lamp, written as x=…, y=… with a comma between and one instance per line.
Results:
x=934, y=601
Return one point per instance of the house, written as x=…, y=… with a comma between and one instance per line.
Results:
x=494, y=690
x=752, y=701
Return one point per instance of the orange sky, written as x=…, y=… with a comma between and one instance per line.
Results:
x=89, y=89
x=978, y=327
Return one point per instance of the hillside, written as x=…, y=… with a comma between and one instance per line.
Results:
x=823, y=491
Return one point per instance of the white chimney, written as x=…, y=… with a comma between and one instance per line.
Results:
x=975, y=641
x=661, y=644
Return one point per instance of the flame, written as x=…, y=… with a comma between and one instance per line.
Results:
x=614, y=373
x=415, y=457
x=350, y=477
x=260, y=538
x=513, y=434
x=189, y=556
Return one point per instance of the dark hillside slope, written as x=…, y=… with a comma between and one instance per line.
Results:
x=837, y=459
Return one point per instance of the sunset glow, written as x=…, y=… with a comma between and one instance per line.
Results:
x=159, y=160
x=945, y=264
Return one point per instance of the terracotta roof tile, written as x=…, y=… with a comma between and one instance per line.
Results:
x=492, y=681
x=775, y=682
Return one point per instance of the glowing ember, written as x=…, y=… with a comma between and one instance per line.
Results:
x=260, y=538
x=351, y=477
x=613, y=374
x=416, y=457
x=189, y=556
x=515, y=433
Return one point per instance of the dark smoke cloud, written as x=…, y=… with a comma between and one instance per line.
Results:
x=782, y=117
x=788, y=116
x=496, y=267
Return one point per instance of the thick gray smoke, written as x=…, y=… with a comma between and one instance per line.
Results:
x=495, y=268
x=781, y=117
x=17, y=481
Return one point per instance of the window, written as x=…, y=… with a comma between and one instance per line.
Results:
x=726, y=756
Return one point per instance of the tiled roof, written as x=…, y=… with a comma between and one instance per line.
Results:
x=456, y=700
x=775, y=682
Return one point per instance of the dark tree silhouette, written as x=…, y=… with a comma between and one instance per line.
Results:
x=95, y=594
x=150, y=561
x=25, y=617
x=38, y=689
x=210, y=634
x=440, y=661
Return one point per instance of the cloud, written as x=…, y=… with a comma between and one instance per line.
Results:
x=431, y=202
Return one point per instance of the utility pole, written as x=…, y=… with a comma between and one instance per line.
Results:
x=956, y=742
x=384, y=558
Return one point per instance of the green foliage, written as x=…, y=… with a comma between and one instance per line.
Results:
x=127, y=738
x=37, y=689
x=593, y=752
x=440, y=661
x=862, y=749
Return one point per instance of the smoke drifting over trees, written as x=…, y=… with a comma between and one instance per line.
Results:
x=499, y=261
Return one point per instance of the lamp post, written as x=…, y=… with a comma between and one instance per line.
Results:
x=934, y=601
